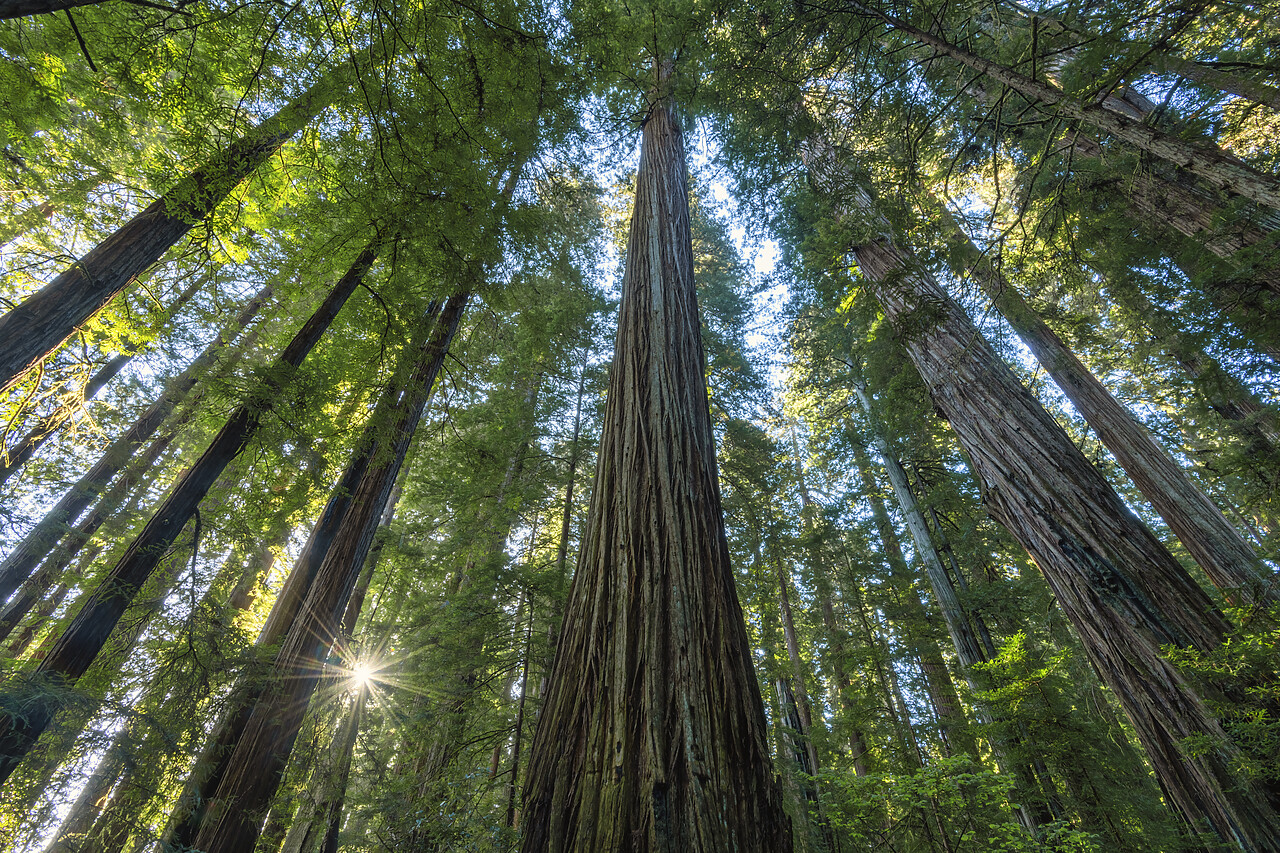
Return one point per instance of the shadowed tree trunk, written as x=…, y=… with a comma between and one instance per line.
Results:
x=257, y=763
x=39, y=325
x=15, y=457
x=652, y=734
x=213, y=763
x=1120, y=588
x=80, y=643
x=1216, y=545
x=916, y=631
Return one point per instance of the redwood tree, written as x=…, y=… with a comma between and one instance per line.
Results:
x=652, y=734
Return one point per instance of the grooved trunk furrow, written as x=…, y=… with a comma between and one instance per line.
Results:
x=1120, y=588
x=652, y=735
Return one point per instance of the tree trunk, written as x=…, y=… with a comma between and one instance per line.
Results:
x=88, y=631
x=942, y=690
x=1123, y=592
x=39, y=325
x=18, y=566
x=858, y=748
x=1216, y=545
x=257, y=763
x=15, y=457
x=652, y=735
x=213, y=763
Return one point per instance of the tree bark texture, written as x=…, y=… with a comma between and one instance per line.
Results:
x=84, y=637
x=652, y=734
x=18, y=566
x=257, y=763
x=39, y=325
x=1214, y=543
x=1120, y=588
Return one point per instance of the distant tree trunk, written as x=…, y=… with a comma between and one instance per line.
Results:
x=938, y=681
x=1123, y=592
x=141, y=780
x=18, y=566
x=15, y=457
x=518, y=739
x=652, y=734
x=89, y=630
x=803, y=707
x=1216, y=545
x=835, y=634
x=318, y=831
x=257, y=763
x=39, y=325
x=213, y=763
x=1214, y=166
x=566, y=528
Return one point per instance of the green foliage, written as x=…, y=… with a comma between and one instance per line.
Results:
x=953, y=804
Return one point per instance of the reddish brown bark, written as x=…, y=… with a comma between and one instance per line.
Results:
x=1212, y=541
x=652, y=734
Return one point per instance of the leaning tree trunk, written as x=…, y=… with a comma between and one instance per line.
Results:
x=41, y=539
x=918, y=632
x=257, y=763
x=84, y=637
x=1211, y=540
x=1120, y=588
x=212, y=765
x=46, y=427
x=652, y=734
x=40, y=324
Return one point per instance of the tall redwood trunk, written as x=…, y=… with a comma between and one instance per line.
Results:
x=1216, y=545
x=1120, y=588
x=652, y=733
x=40, y=324
x=41, y=539
x=257, y=763
x=84, y=637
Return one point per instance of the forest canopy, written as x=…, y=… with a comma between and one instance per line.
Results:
x=502, y=425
